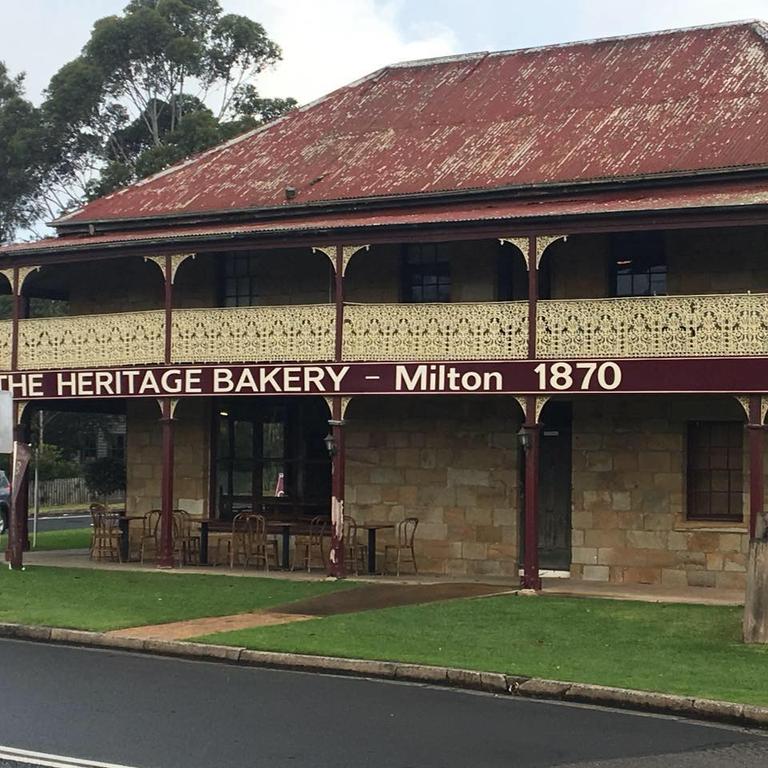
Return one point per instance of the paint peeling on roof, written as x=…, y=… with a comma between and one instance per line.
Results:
x=732, y=195
x=672, y=102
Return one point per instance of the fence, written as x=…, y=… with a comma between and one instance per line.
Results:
x=67, y=490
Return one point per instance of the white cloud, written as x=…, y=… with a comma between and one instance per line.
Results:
x=327, y=44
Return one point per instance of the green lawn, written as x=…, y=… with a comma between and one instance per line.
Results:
x=101, y=600
x=76, y=538
x=682, y=649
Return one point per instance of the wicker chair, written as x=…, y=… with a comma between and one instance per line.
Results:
x=312, y=544
x=355, y=553
x=106, y=534
x=402, y=550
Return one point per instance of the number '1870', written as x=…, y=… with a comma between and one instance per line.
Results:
x=579, y=376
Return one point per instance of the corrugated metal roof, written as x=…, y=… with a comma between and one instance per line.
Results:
x=740, y=195
x=685, y=100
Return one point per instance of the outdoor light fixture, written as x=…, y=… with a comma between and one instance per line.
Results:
x=524, y=436
x=330, y=444
x=223, y=413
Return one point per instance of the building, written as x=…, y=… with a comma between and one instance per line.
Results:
x=528, y=290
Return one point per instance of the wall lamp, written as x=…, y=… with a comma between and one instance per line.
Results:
x=524, y=436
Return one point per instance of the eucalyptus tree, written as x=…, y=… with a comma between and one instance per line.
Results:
x=163, y=80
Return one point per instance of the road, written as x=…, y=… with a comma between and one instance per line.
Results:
x=60, y=522
x=146, y=711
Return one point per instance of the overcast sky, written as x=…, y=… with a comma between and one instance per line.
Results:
x=327, y=43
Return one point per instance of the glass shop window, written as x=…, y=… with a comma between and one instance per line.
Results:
x=426, y=274
x=240, y=283
x=715, y=478
x=638, y=264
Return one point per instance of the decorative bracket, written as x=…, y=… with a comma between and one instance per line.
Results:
x=174, y=402
x=744, y=402
x=542, y=243
x=176, y=261
x=345, y=400
x=24, y=273
x=541, y=401
x=347, y=252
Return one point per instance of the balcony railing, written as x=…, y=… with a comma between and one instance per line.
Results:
x=654, y=326
x=92, y=340
x=667, y=326
x=481, y=331
x=254, y=334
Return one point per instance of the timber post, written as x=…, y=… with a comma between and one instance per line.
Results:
x=165, y=558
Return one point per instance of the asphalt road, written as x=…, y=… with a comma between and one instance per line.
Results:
x=60, y=522
x=146, y=711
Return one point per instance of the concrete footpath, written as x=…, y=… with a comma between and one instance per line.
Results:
x=490, y=682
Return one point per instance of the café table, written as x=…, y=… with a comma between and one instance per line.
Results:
x=124, y=524
x=372, y=527
x=285, y=528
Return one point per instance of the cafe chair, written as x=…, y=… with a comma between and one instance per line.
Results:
x=106, y=534
x=250, y=542
x=402, y=550
x=186, y=541
x=312, y=544
x=150, y=534
x=355, y=552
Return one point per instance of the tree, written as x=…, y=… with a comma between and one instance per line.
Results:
x=19, y=160
x=166, y=79
x=105, y=476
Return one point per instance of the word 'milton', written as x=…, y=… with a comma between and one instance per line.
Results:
x=445, y=378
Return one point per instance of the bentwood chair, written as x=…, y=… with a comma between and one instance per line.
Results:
x=186, y=541
x=313, y=543
x=402, y=550
x=355, y=552
x=250, y=542
x=105, y=539
x=150, y=534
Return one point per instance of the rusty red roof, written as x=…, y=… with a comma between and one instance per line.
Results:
x=741, y=195
x=663, y=103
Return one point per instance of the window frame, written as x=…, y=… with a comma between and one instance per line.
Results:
x=409, y=267
x=631, y=246
x=697, y=475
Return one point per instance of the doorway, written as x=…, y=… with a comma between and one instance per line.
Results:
x=554, y=489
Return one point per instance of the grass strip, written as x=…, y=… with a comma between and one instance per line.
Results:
x=77, y=598
x=690, y=650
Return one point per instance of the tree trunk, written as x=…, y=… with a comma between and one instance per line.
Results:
x=756, y=603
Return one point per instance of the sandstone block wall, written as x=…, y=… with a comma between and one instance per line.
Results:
x=629, y=516
x=144, y=456
x=451, y=462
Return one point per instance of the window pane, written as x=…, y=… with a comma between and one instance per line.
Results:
x=269, y=476
x=243, y=439
x=242, y=482
x=273, y=446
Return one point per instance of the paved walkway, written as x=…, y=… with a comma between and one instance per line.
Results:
x=364, y=598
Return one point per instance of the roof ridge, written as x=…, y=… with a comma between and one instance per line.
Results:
x=754, y=22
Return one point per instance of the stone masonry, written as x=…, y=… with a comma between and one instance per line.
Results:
x=451, y=462
x=629, y=522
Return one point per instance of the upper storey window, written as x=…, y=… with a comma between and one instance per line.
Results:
x=240, y=285
x=639, y=264
x=426, y=274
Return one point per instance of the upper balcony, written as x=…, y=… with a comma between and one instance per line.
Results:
x=294, y=316
x=668, y=326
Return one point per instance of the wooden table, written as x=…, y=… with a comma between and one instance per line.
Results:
x=286, y=528
x=124, y=523
x=372, y=527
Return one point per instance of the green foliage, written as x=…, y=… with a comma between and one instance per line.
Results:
x=19, y=155
x=135, y=100
x=54, y=464
x=105, y=476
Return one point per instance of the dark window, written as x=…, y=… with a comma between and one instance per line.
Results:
x=638, y=264
x=259, y=441
x=240, y=285
x=426, y=274
x=715, y=470
x=513, y=276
